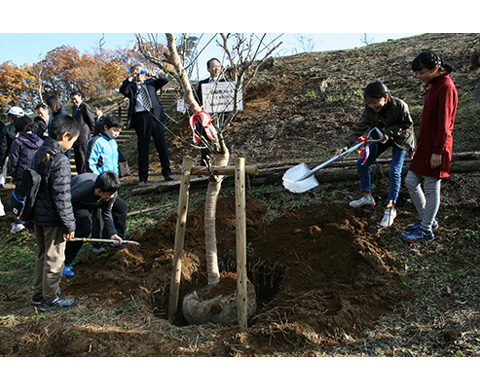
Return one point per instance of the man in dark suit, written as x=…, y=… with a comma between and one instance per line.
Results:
x=98, y=118
x=214, y=68
x=82, y=113
x=145, y=115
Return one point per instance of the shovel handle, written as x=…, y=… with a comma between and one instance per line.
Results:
x=84, y=239
x=348, y=151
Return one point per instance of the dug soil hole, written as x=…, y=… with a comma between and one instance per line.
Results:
x=319, y=266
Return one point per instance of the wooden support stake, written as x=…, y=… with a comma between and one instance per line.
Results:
x=179, y=238
x=241, y=234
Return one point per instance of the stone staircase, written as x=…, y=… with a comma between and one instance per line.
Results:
x=167, y=99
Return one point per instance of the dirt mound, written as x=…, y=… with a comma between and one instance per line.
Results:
x=318, y=267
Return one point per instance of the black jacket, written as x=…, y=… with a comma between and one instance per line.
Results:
x=130, y=90
x=53, y=205
x=82, y=188
x=84, y=116
x=7, y=135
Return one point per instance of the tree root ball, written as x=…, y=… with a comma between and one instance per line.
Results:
x=217, y=303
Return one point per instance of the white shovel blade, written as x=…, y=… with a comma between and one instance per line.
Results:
x=291, y=176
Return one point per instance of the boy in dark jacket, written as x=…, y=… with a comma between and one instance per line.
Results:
x=21, y=154
x=53, y=217
x=91, y=192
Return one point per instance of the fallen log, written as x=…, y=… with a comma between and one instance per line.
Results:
x=331, y=174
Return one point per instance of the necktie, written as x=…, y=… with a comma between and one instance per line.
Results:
x=144, y=97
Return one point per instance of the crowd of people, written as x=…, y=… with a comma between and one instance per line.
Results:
x=88, y=204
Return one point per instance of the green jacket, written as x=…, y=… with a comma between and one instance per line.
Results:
x=394, y=121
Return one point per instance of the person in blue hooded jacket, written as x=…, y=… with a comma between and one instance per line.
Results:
x=102, y=150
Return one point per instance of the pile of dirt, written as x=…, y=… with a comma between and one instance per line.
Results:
x=322, y=263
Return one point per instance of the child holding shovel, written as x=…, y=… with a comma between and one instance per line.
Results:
x=433, y=154
x=392, y=116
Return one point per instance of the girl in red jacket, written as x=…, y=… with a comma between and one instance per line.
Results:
x=433, y=154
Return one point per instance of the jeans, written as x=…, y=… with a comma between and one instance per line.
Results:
x=395, y=175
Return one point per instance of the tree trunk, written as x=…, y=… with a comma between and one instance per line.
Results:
x=220, y=157
x=213, y=191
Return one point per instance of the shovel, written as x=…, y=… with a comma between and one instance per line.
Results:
x=82, y=239
x=300, y=179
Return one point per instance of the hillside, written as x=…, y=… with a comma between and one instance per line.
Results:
x=301, y=106
x=329, y=281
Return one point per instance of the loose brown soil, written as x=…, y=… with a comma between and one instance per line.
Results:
x=323, y=274
x=319, y=268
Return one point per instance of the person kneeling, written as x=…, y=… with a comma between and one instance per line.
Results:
x=91, y=192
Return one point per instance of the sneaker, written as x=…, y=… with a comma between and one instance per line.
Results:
x=57, y=303
x=388, y=217
x=67, y=270
x=418, y=223
x=17, y=227
x=168, y=178
x=362, y=202
x=37, y=299
x=418, y=235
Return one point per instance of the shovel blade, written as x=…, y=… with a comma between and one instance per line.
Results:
x=291, y=179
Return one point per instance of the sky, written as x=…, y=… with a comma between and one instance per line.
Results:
x=28, y=48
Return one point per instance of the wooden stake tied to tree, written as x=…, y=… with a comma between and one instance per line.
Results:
x=246, y=62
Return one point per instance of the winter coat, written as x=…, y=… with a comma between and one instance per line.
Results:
x=21, y=153
x=102, y=154
x=53, y=205
x=7, y=135
x=394, y=121
x=436, y=127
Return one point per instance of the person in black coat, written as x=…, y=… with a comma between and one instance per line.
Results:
x=92, y=193
x=215, y=69
x=53, y=217
x=41, y=121
x=83, y=114
x=99, y=118
x=146, y=117
x=7, y=135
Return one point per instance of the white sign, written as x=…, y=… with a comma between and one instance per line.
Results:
x=181, y=106
x=219, y=97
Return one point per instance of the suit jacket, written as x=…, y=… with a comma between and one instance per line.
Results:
x=130, y=90
x=84, y=116
x=199, y=88
x=99, y=123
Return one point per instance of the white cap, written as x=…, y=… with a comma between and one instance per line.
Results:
x=17, y=111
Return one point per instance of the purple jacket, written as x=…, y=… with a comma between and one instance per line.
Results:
x=21, y=153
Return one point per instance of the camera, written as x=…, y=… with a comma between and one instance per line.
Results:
x=142, y=71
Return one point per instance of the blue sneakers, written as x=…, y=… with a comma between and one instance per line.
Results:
x=67, y=270
x=418, y=235
x=414, y=226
